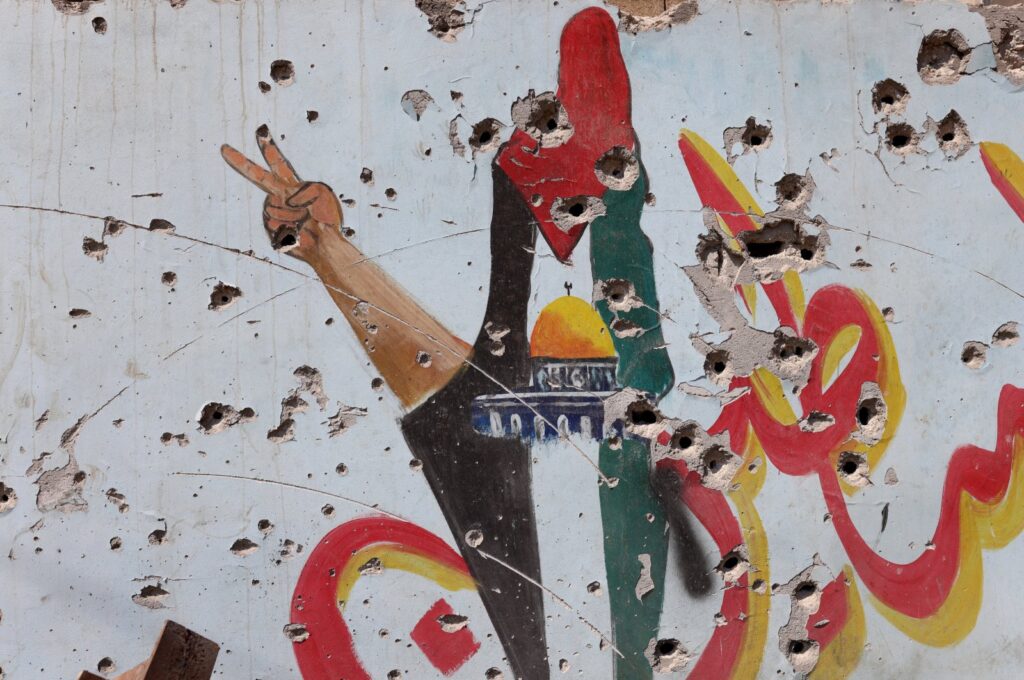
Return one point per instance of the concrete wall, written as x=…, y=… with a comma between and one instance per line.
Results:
x=810, y=463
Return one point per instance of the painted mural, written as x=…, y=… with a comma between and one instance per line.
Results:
x=590, y=458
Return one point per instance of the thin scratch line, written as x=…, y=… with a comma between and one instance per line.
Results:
x=604, y=638
x=292, y=486
x=229, y=320
x=413, y=245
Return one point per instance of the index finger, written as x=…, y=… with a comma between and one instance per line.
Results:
x=279, y=165
x=265, y=180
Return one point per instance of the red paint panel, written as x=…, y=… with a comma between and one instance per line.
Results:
x=446, y=651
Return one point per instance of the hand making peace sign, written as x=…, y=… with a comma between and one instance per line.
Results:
x=296, y=214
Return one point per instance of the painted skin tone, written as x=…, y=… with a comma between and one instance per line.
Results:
x=414, y=353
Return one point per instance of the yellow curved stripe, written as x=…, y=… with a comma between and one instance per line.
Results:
x=724, y=173
x=842, y=344
x=795, y=293
x=1006, y=162
x=982, y=526
x=755, y=632
x=843, y=654
x=395, y=556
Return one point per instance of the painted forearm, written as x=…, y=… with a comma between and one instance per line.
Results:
x=415, y=354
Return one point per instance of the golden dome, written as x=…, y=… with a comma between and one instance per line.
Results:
x=569, y=328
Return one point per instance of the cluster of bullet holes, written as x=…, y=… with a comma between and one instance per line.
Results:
x=486, y=135
x=943, y=57
x=543, y=118
x=282, y=72
x=889, y=97
x=223, y=295
x=617, y=168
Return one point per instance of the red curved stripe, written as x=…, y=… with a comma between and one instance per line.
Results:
x=328, y=653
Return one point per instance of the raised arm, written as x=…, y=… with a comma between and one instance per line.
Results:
x=414, y=353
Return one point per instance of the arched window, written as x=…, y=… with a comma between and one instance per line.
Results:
x=497, y=429
x=515, y=424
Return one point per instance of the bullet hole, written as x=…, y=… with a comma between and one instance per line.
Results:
x=423, y=359
x=78, y=313
x=1006, y=335
x=180, y=439
x=8, y=498
x=395, y=674
x=117, y=500
x=415, y=102
x=415, y=464
x=756, y=136
x=800, y=646
x=372, y=566
x=296, y=632
x=667, y=655
x=718, y=465
x=889, y=97
x=780, y=246
x=264, y=86
x=446, y=17
x=474, y=538
x=282, y=72
x=161, y=226
x=99, y=24
x=93, y=248
x=327, y=510
x=685, y=436
x=974, y=354
x=952, y=135
x=717, y=367
x=151, y=597
x=452, y=623
x=901, y=139
x=543, y=118
x=638, y=17
x=311, y=116
x=106, y=665
x=1007, y=38
x=265, y=526
x=284, y=239
x=594, y=588
x=115, y=543
x=853, y=468
x=805, y=589
x=74, y=7
x=341, y=469
x=642, y=413
x=617, y=169
x=816, y=421
x=391, y=194
x=243, y=547
x=486, y=135
x=496, y=333
x=223, y=295
x=733, y=565
x=793, y=191
x=158, y=537
x=792, y=349
x=289, y=549
x=575, y=211
x=619, y=294
x=169, y=279
x=216, y=417
x=943, y=57
x=366, y=176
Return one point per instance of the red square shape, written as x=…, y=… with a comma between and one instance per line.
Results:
x=446, y=651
